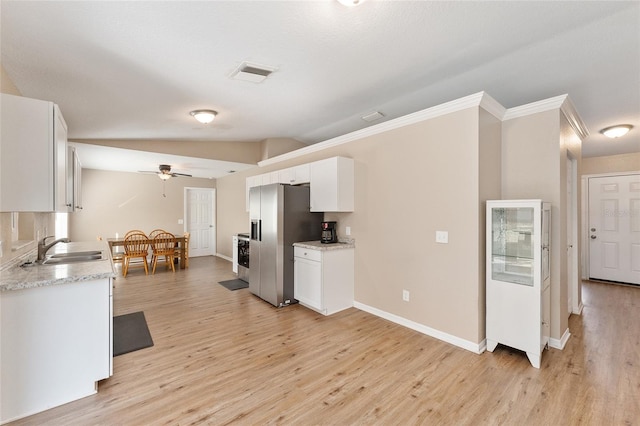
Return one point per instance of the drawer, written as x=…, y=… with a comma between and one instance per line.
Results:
x=309, y=254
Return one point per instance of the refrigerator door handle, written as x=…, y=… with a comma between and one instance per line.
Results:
x=260, y=230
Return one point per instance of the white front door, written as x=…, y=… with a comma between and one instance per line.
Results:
x=614, y=228
x=200, y=214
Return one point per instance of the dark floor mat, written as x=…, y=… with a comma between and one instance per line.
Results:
x=236, y=284
x=130, y=333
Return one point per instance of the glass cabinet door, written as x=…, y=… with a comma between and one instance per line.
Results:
x=512, y=248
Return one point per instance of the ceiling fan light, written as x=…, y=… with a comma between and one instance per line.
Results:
x=164, y=176
x=205, y=116
x=616, y=131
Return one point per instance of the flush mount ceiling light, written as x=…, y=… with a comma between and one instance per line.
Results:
x=350, y=3
x=205, y=116
x=616, y=131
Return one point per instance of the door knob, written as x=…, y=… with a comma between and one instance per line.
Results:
x=593, y=237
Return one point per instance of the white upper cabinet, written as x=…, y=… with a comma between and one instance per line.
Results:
x=295, y=175
x=74, y=179
x=33, y=138
x=332, y=185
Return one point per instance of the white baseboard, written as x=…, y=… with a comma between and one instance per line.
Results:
x=477, y=348
x=560, y=344
x=222, y=256
x=579, y=311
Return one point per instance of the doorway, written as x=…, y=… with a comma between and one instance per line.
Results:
x=200, y=208
x=613, y=228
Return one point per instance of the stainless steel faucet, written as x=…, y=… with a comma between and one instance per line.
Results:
x=43, y=248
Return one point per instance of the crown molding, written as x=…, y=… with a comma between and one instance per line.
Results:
x=416, y=117
x=480, y=99
x=562, y=102
x=571, y=114
x=535, y=107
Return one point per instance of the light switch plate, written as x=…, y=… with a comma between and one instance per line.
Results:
x=180, y=221
x=347, y=230
x=442, y=237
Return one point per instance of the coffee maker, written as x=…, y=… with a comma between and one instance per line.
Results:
x=329, y=233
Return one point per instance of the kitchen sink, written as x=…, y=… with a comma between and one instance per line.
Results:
x=73, y=257
x=77, y=254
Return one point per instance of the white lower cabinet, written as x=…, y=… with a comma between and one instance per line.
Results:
x=323, y=279
x=56, y=344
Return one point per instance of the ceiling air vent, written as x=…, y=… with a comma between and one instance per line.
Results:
x=372, y=116
x=252, y=72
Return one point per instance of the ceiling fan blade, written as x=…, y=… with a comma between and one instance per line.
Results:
x=147, y=171
x=181, y=174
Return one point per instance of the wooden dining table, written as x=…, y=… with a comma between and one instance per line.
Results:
x=180, y=241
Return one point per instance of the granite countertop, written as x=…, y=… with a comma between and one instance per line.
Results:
x=20, y=278
x=317, y=245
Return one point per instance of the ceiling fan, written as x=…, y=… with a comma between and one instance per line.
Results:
x=165, y=173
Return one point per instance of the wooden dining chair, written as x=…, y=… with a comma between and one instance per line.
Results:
x=136, y=245
x=155, y=232
x=163, y=245
x=134, y=231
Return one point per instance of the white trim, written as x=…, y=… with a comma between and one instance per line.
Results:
x=579, y=309
x=560, y=344
x=535, y=107
x=222, y=256
x=426, y=114
x=477, y=348
x=584, y=181
x=492, y=106
x=570, y=113
x=562, y=102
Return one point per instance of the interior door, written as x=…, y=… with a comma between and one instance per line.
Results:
x=201, y=221
x=614, y=228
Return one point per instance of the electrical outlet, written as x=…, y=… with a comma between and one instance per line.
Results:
x=347, y=230
x=442, y=237
x=405, y=295
x=180, y=222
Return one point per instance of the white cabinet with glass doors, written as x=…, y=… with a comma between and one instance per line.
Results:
x=518, y=276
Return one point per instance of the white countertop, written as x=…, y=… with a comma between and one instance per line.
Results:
x=317, y=245
x=20, y=278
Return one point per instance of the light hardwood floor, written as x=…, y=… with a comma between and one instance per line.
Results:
x=226, y=357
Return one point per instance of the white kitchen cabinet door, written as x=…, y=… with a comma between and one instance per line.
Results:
x=307, y=278
x=295, y=175
x=55, y=344
x=33, y=165
x=332, y=185
x=74, y=180
x=323, y=279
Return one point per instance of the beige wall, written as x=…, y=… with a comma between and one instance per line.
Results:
x=410, y=182
x=116, y=202
x=534, y=153
x=611, y=164
x=273, y=147
x=31, y=224
x=239, y=152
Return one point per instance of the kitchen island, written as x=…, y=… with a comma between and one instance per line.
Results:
x=55, y=331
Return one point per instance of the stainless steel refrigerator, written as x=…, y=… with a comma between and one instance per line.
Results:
x=279, y=216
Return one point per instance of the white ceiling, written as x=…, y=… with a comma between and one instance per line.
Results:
x=134, y=69
x=127, y=160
